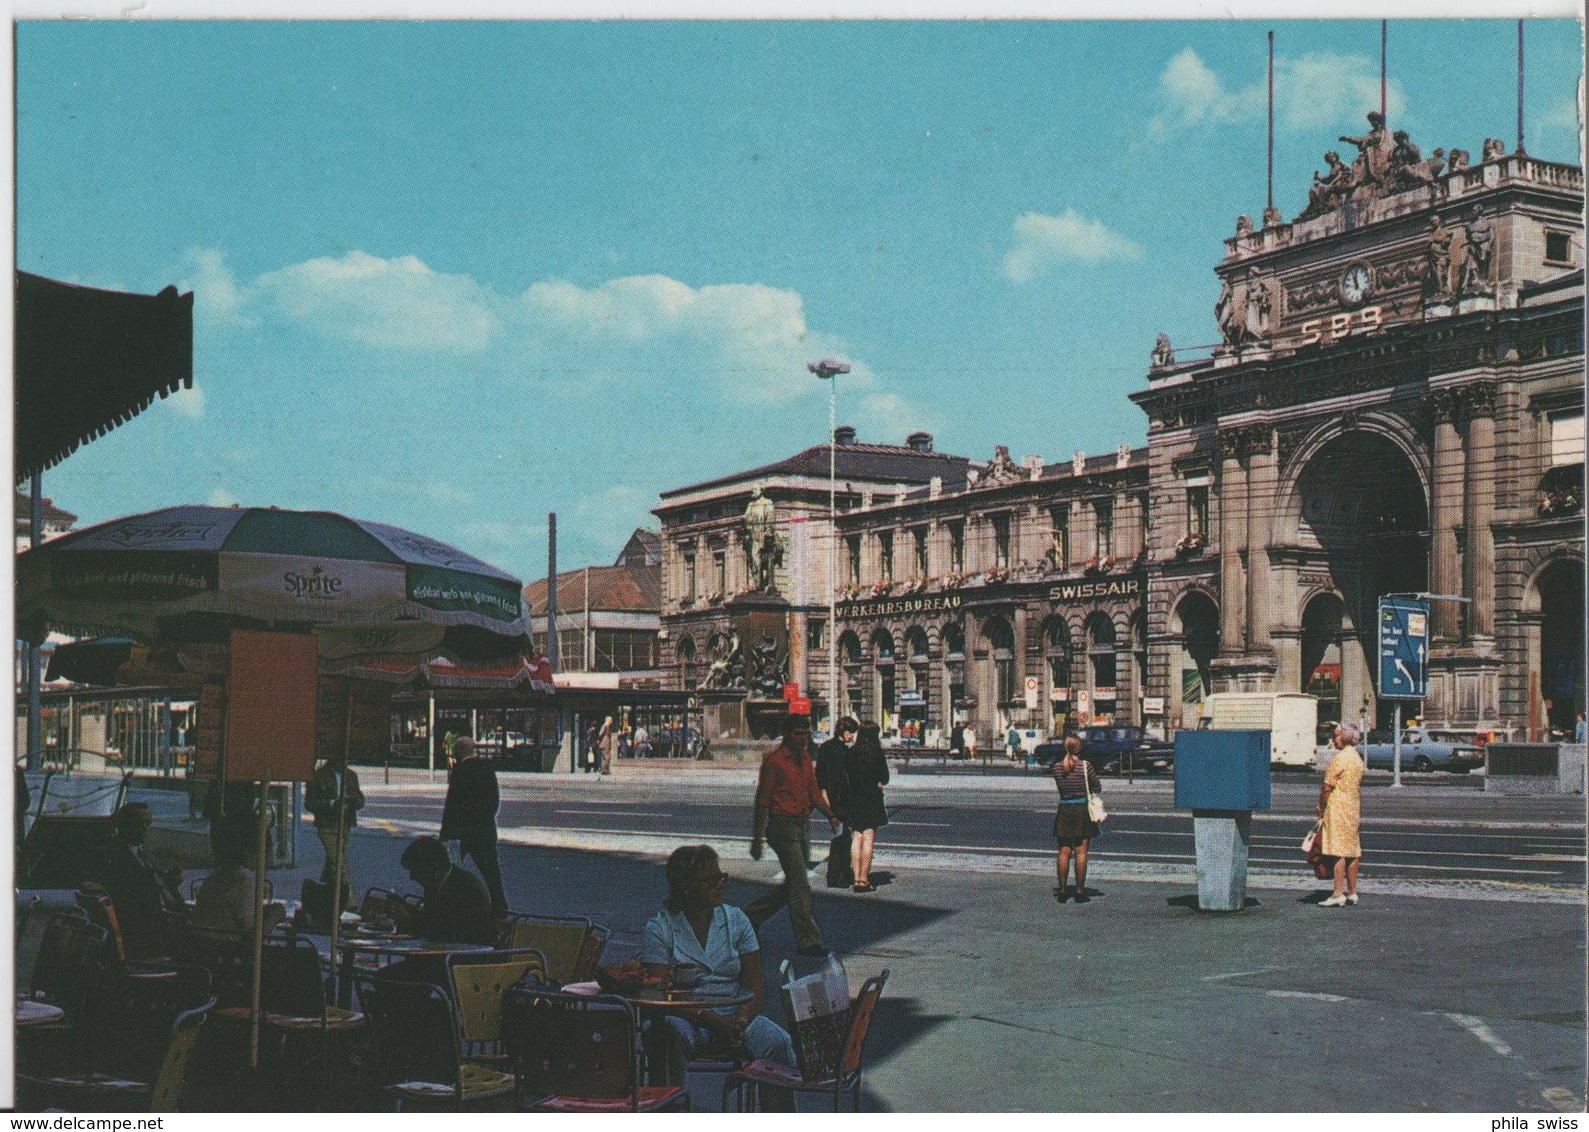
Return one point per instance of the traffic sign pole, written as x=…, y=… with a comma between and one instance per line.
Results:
x=1403, y=659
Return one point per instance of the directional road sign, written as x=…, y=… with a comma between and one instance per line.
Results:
x=1403, y=648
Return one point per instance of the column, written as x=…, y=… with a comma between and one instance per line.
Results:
x=1445, y=512
x=1232, y=537
x=1261, y=490
x=1480, y=558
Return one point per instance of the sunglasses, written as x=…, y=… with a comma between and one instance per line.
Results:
x=715, y=880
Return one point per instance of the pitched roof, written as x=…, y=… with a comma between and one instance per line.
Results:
x=889, y=463
x=51, y=511
x=623, y=589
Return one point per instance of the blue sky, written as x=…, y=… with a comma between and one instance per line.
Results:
x=455, y=276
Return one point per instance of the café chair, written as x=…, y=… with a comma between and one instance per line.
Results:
x=100, y=909
x=479, y=981
x=98, y=1092
x=417, y=1052
x=65, y=968
x=590, y=953
x=745, y=1084
x=292, y=1001
x=560, y=938
x=579, y=1053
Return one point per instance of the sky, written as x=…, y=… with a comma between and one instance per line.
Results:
x=456, y=276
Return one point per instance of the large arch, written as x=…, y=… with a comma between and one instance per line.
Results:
x=1058, y=658
x=1325, y=635
x=885, y=684
x=1194, y=625
x=998, y=681
x=1354, y=505
x=1556, y=654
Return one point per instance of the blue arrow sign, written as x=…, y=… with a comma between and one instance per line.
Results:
x=1403, y=648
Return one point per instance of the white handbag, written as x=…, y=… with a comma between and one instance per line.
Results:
x=1095, y=809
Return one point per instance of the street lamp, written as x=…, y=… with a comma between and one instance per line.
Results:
x=828, y=370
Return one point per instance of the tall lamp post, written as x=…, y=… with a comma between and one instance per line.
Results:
x=828, y=370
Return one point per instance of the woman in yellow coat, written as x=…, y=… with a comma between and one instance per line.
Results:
x=1341, y=806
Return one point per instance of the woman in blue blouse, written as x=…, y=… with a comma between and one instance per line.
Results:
x=695, y=927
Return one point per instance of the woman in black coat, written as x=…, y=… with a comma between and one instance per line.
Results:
x=864, y=812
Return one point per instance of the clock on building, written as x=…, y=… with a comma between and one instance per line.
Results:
x=1356, y=283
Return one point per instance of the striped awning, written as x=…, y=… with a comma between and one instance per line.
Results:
x=89, y=360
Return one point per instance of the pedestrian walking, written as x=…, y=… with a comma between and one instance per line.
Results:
x=1013, y=742
x=1580, y=730
x=832, y=773
x=334, y=798
x=1341, y=808
x=469, y=815
x=608, y=742
x=957, y=741
x=592, y=745
x=786, y=793
x=971, y=744
x=864, y=812
x=1074, y=828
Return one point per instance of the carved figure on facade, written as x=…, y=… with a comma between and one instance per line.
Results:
x=1163, y=352
x=1408, y=169
x=1330, y=188
x=1373, y=153
x=1247, y=308
x=1458, y=160
x=764, y=548
x=1000, y=469
x=1437, y=260
x=1478, y=252
x=1493, y=148
x=1243, y=226
x=1233, y=443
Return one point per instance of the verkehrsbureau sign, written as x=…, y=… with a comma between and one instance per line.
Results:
x=896, y=606
x=1096, y=588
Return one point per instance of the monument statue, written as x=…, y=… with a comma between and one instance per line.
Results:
x=768, y=670
x=1246, y=309
x=1373, y=153
x=1163, y=352
x=763, y=547
x=1478, y=252
x=1437, y=260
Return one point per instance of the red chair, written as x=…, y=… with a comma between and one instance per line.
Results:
x=746, y=1084
x=579, y=1053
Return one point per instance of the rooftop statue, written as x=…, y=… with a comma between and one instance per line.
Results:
x=1386, y=163
x=1000, y=469
x=1163, y=352
x=1247, y=309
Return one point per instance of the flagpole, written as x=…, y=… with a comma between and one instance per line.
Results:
x=1271, y=161
x=1520, y=149
x=1384, y=53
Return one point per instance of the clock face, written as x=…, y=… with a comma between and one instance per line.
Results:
x=1355, y=283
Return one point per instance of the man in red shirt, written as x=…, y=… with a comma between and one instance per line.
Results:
x=786, y=794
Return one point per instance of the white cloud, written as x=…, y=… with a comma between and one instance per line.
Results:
x=1313, y=90
x=217, y=299
x=1043, y=241
x=187, y=402
x=447, y=493
x=220, y=497
x=890, y=418
x=394, y=304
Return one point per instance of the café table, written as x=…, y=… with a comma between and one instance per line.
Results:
x=34, y=1013
x=379, y=946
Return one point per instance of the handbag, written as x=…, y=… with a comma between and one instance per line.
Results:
x=1095, y=809
x=1313, y=850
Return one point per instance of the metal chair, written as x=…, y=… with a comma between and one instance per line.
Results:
x=746, y=1084
x=579, y=1053
x=479, y=981
x=416, y=1048
x=561, y=939
x=98, y=1092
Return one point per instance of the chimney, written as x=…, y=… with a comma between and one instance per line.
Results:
x=1033, y=465
x=844, y=434
x=919, y=442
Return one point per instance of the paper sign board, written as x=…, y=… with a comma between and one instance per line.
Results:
x=271, y=709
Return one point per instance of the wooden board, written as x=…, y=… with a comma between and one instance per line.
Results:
x=271, y=711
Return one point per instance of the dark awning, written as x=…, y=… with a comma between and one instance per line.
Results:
x=88, y=360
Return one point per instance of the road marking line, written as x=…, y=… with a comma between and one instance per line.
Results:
x=1478, y=1029
x=618, y=813
x=920, y=824
x=1240, y=974
x=1319, y=996
x=1550, y=857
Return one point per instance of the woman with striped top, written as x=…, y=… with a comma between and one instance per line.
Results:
x=1073, y=827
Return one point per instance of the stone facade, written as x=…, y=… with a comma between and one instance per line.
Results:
x=1406, y=416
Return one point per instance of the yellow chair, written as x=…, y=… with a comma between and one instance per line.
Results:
x=417, y=1050
x=562, y=939
x=479, y=980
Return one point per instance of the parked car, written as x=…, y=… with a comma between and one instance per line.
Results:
x=1420, y=753
x=1107, y=747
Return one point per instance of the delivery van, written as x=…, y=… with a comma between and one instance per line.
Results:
x=1292, y=717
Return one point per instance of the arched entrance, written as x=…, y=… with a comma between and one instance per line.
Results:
x=1323, y=636
x=1056, y=666
x=998, y=682
x=1560, y=665
x=1196, y=626
x=883, y=663
x=953, y=638
x=1102, y=665
x=1361, y=519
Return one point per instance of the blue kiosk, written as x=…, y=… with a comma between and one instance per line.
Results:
x=1222, y=777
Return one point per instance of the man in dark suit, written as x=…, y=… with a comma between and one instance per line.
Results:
x=469, y=816
x=456, y=908
x=832, y=760
x=148, y=896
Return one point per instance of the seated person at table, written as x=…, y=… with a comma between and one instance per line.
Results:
x=148, y=896
x=226, y=901
x=695, y=927
x=457, y=904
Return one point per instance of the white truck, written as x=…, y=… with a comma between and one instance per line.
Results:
x=1292, y=717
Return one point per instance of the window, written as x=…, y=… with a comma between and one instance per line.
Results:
x=1001, y=541
x=816, y=640
x=885, y=556
x=571, y=649
x=919, y=534
x=1142, y=514
x=1558, y=247
x=1197, y=509
x=957, y=547
x=1104, y=534
x=853, y=545
x=1001, y=641
x=1059, y=517
x=689, y=574
x=1566, y=438
x=624, y=650
x=720, y=571
x=1057, y=652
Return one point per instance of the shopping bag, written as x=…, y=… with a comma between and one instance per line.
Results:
x=1313, y=851
x=817, y=1007
x=839, y=872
